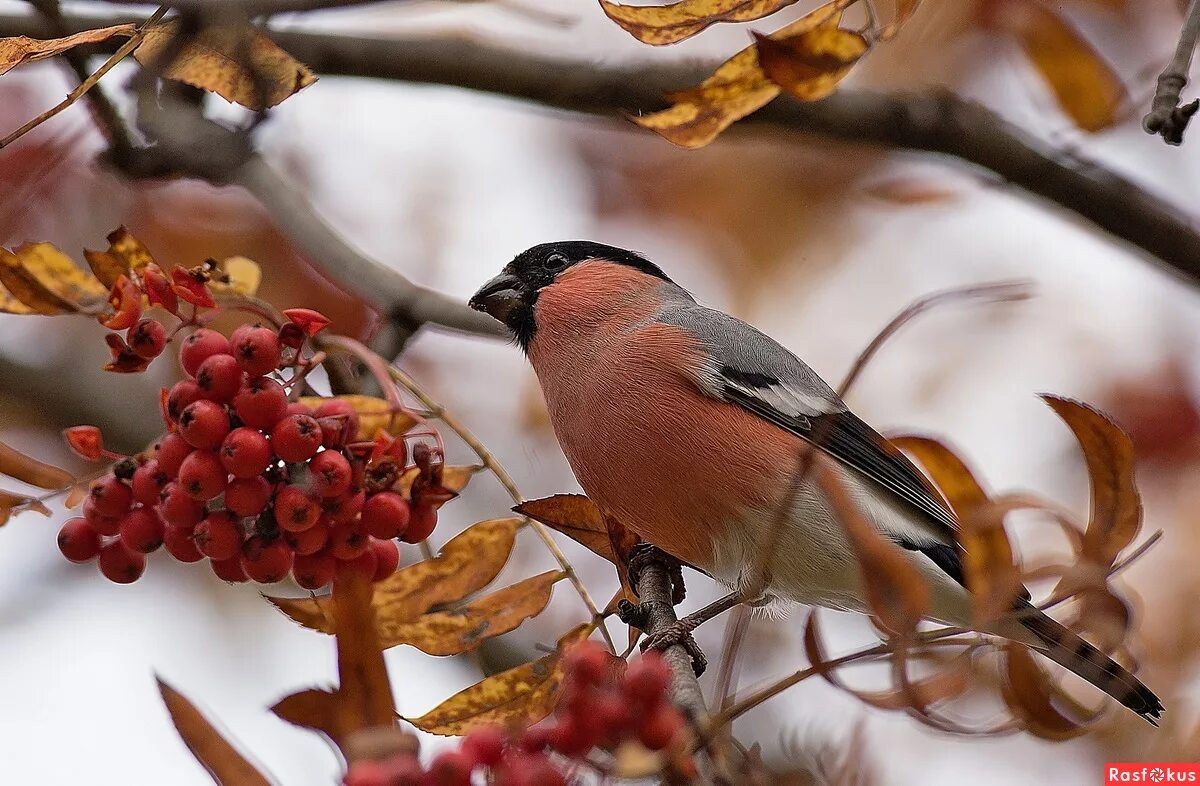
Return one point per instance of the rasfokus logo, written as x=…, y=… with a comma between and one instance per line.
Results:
x=1151, y=772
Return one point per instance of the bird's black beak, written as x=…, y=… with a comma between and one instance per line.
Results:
x=499, y=297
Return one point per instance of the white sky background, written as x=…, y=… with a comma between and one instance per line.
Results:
x=78, y=700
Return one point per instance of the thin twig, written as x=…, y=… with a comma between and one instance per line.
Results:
x=1166, y=117
x=497, y=469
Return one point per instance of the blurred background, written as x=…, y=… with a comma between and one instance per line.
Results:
x=817, y=243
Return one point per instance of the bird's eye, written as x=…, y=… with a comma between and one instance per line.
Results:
x=555, y=262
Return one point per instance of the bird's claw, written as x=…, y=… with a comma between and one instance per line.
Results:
x=644, y=553
x=677, y=633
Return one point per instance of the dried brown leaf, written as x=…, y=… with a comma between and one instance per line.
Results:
x=19, y=50
x=949, y=473
x=1116, y=516
x=240, y=64
x=46, y=281
x=11, y=503
x=29, y=470
x=464, y=628
x=577, y=517
x=667, y=24
x=1027, y=692
x=521, y=695
x=810, y=64
x=454, y=477
x=374, y=414
x=215, y=753
x=125, y=255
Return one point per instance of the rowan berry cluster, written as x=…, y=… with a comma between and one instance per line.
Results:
x=603, y=704
x=260, y=485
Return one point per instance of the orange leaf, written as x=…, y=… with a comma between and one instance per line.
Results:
x=158, y=289
x=216, y=60
x=125, y=255
x=1116, y=516
x=1085, y=86
x=1027, y=692
x=126, y=299
x=667, y=24
x=191, y=286
x=519, y=696
x=215, y=753
x=810, y=64
x=310, y=322
x=29, y=470
x=20, y=49
x=11, y=503
x=949, y=473
x=577, y=517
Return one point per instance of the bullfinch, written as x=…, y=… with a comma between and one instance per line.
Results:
x=684, y=423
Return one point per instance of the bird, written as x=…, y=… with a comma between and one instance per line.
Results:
x=683, y=423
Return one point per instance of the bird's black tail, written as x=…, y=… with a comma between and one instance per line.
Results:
x=1066, y=648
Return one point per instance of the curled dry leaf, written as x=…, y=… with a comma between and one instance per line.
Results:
x=125, y=255
x=737, y=88
x=464, y=628
x=374, y=414
x=240, y=64
x=11, y=503
x=896, y=593
x=215, y=753
x=810, y=64
x=45, y=281
x=19, y=50
x=519, y=696
x=1028, y=693
x=667, y=24
x=1116, y=516
x=454, y=477
x=238, y=275
x=29, y=470
x=124, y=360
x=1084, y=85
x=464, y=566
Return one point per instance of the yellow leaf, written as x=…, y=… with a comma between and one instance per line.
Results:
x=809, y=65
x=125, y=255
x=1085, y=86
x=666, y=24
x=20, y=49
x=29, y=470
x=216, y=754
x=949, y=473
x=214, y=61
x=373, y=414
x=46, y=281
x=737, y=88
x=519, y=696
x=237, y=274
x=1116, y=516
x=466, y=627
x=465, y=565
x=454, y=477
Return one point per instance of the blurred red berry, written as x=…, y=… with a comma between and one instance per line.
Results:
x=421, y=522
x=588, y=663
x=348, y=541
x=120, y=565
x=646, y=679
x=449, y=768
x=314, y=571
x=484, y=745
x=248, y=496
x=219, y=536
x=108, y=526
x=110, y=497
x=385, y=515
x=78, y=540
x=345, y=507
x=179, y=544
x=199, y=347
x=260, y=403
x=659, y=727
x=171, y=452
x=367, y=773
x=339, y=407
x=179, y=509
x=299, y=408
x=147, y=338
x=307, y=542
x=296, y=438
x=148, y=483
x=266, y=561
x=229, y=569
x=141, y=530
x=387, y=558
x=201, y=475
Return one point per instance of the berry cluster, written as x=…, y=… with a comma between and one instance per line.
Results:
x=603, y=705
x=260, y=485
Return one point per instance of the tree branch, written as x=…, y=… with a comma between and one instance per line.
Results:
x=937, y=122
x=1166, y=116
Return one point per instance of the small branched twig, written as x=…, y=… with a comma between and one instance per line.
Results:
x=1166, y=117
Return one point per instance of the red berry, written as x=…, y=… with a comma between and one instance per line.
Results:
x=248, y=496
x=204, y=424
x=111, y=497
x=387, y=558
x=120, y=565
x=364, y=564
x=78, y=540
x=484, y=745
x=660, y=726
x=421, y=522
x=219, y=536
x=646, y=679
x=229, y=569
x=307, y=542
x=330, y=473
x=141, y=530
x=314, y=571
x=182, y=394
x=257, y=350
x=180, y=510
x=219, y=378
x=349, y=541
x=345, y=507
x=588, y=663
x=245, y=452
x=449, y=768
x=294, y=510
x=385, y=514
x=570, y=737
x=148, y=483
x=108, y=526
x=610, y=717
x=171, y=452
x=201, y=475
x=367, y=773
x=147, y=338
x=296, y=438
x=179, y=544
x=260, y=403
x=299, y=408
x=336, y=407
x=266, y=561
x=404, y=770
x=199, y=347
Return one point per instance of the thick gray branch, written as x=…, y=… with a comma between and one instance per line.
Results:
x=654, y=591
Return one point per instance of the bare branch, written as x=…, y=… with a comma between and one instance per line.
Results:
x=254, y=7
x=1166, y=116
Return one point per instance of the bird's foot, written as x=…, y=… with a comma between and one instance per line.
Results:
x=645, y=553
x=678, y=633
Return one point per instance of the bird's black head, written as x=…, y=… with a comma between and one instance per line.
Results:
x=510, y=296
